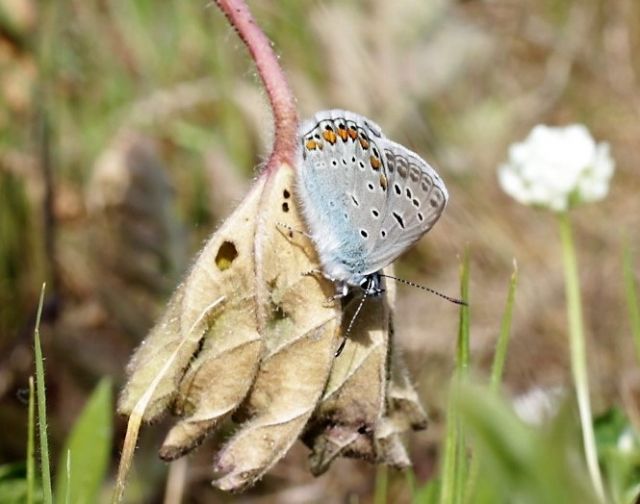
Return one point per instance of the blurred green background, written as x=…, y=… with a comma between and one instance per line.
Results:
x=129, y=130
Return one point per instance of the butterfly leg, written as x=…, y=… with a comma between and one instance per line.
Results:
x=342, y=288
x=292, y=230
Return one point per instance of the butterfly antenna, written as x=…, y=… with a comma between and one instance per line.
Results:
x=350, y=326
x=432, y=291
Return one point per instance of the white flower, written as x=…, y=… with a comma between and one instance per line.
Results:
x=557, y=168
x=627, y=442
x=538, y=405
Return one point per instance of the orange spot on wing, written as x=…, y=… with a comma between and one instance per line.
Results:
x=364, y=144
x=311, y=144
x=383, y=182
x=330, y=137
x=343, y=134
x=353, y=133
x=375, y=163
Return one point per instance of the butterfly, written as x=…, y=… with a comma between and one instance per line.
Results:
x=365, y=198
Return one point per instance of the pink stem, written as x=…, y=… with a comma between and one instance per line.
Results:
x=273, y=78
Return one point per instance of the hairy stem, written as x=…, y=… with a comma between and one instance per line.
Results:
x=273, y=78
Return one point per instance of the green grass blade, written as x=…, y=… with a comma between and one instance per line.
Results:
x=455, y=459
x=31, y=463
x=502, y=345
x=449, y=465
x=67, y=493
x=42, y=409
x=463, y=352
x=382, y=485
x=85, y=457
x=497, y=368
x=631, y=293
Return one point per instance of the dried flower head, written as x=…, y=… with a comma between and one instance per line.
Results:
x=557, y=168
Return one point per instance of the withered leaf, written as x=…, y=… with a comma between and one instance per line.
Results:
x=213, y=311
x=300, y=334
x=359, y=415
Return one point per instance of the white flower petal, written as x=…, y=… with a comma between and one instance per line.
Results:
x=552, y=164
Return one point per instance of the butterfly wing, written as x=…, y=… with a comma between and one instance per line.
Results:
x=330, y=172
x=366, y=199
x=415, y=199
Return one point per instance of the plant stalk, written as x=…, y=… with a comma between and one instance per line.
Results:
x=31, y=443
x=578, y=351
x=631, y=292
x=42, y=409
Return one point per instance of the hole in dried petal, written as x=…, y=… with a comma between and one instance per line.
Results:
x=277, y=312
x=226, y=255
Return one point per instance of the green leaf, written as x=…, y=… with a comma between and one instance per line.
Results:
x=84, y=460
x=619, y=450
x=13, y=484
x=520, y=463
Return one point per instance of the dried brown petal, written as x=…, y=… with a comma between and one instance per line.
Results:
x=212, y=309
x=299, y=329
x=354, y=399
x=366, y=406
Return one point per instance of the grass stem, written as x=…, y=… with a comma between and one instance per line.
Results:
x=454, y=466
x=497, y=369
x=382, y=485
x=42, y=409
x=502, y=345
x=31, y=443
